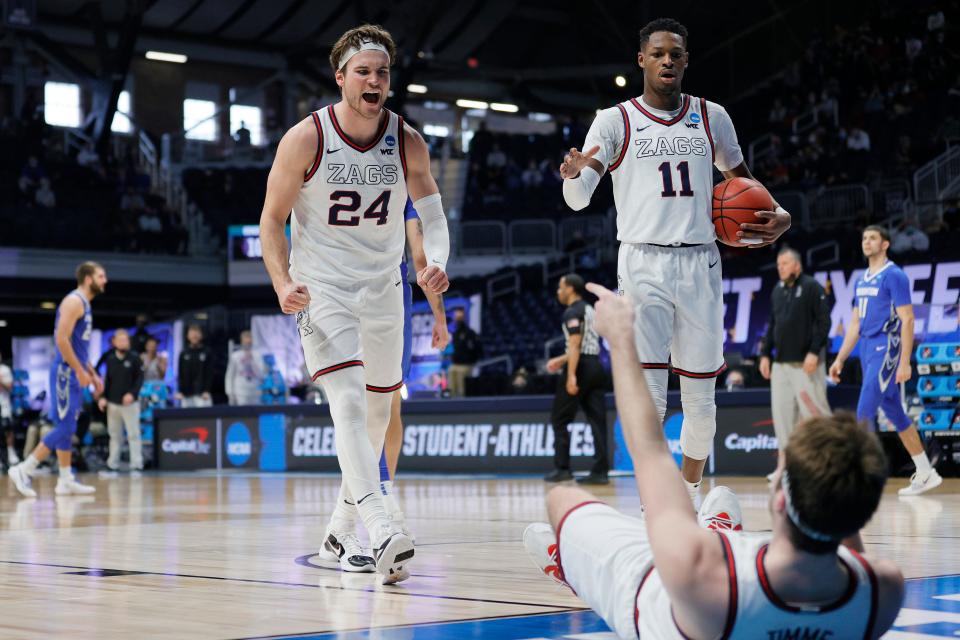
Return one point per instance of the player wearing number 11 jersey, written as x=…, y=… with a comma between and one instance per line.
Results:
x=660, y=150
x=346, y=172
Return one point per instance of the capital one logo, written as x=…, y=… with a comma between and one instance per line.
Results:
x=192, y=440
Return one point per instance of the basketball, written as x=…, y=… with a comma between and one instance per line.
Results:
x=736, y=201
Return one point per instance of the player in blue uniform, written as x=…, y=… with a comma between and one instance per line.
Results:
x=883, y=322
x=394, y=437
x=70, y=374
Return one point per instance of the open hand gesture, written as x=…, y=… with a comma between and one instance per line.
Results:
x=574, y=162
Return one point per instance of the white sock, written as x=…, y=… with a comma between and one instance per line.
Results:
x=358, y=463
x=66, y=474
x=386, y=487
x=693, y=488
x=30, y=465
x=922, y=463
x=344, y=517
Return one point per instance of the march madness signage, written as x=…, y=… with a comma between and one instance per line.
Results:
x=934, y=289
x=453, y=443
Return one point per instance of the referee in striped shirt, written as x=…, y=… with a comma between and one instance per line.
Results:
x=581, y=383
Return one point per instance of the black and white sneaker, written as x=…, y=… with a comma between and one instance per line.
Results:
x=345, y=549
x=392, y=555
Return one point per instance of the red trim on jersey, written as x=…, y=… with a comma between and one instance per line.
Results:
x=351, y=143
x=780, y=604
x=874, y=595
x=694, y=374
x=677, y=118
x=734, y=595
x=636, y=607
x=562, y=575
x=626, y=139
x=337, y=367
x=389, y=389
x=402, y=152
x=706, y=128
x=655, y=365
x=316, y=162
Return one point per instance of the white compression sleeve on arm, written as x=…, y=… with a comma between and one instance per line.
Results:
x=436, y=237
x=578, y=191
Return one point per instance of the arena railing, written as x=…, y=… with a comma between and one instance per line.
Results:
x=840, y=204
x=482, y=238
x=489, y=362
x=532, y=236
x=502, y=285
x=796, y=203
x=590, y=228
x=933, y=181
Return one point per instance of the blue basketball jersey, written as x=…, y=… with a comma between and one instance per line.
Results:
x=878, y=296
x=80, y=337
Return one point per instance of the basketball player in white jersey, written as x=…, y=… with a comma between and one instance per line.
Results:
x=660, y=150
x=670, y=577
x=346, y=171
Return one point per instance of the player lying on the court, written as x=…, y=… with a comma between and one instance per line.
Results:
x=670, y=577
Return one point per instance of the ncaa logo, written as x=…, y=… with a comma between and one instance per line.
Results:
x=390, y=140
x=695, y=118
x=239, y=444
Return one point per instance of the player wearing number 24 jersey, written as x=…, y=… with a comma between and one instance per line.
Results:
x=660, y=149
x=346, y=171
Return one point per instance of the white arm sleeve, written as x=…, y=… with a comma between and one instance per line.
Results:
x=729, y=155
x=578, y=191
x=436, y=237
x=606, y=132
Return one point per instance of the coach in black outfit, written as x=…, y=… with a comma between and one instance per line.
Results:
x=120, y=400
x=582, y=382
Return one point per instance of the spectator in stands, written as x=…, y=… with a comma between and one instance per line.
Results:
x=481, y=143
x=121, y=401
x=131, y=201
x=520, y=380
x=909, y=237
x=87, y=157
x=138, y=340
x=6, y=412
x=245, y=373
x=858, y=140
x=151, y=230
x=30, y=177
x=44, y=197
x=242, y=136
x=195, y=373
x=531, y=177
x=154, y=364
x=496, y=161
x=735, y=380
x=799, y=326
x=466, y=352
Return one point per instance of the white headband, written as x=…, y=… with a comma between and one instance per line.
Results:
x=364, y=46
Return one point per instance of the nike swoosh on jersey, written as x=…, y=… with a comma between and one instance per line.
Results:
x=714, y=264
x=332, y=150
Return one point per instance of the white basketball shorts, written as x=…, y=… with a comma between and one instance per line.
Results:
x=678, y=292
x=605, y=557
x=355, y=325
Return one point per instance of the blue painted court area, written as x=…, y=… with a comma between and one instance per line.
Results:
x=931, y=609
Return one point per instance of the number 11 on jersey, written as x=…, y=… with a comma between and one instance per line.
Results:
x=666, y=171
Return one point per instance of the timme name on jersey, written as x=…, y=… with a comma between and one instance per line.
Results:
x=662, y=164
x=347, y=222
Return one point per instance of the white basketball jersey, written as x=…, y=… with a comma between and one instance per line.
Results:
x=348, y=218
x=662, y=168
x=757, y=612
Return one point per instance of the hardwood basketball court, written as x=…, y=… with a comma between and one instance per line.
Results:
x=233, y=556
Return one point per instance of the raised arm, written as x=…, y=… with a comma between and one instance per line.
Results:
x=425, y=194
x=581, y=172
x=297, y=151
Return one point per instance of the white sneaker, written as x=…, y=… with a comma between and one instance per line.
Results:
x=771, y=476
x=108, y=473
x=392, y=552
x=22, y=481
x=12, y=457
x=345, y=548
x=399, y=523
x=541, y=545
x=916, y=487
x=720, y=511
x=70, y=486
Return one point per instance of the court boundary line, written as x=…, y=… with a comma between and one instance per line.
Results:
x=411, y=594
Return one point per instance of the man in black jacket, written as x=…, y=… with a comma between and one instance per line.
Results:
x=466, y=351
x=120, y=400
x=799, y=327
x=195, y=373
